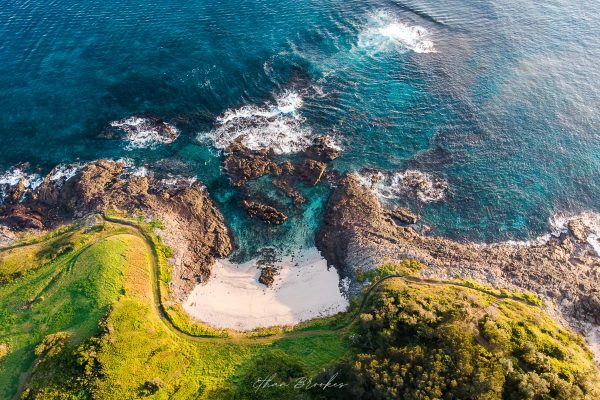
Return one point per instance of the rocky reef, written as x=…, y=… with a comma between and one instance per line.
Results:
x=268, y=214
x=244, y=165
x=194, y=227
x=359, y=233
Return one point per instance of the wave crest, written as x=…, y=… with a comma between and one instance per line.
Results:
x=145, y=132
x=277, y=125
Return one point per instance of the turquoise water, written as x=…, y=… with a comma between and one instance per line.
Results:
x=497, y=98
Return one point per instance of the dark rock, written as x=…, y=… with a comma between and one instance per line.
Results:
x=588, y=308
x=286, y=187
x=243, y=164
x=287, y=168
x=267, y=213
x=15, y=193
x=404, y=215
x=578, y=230
x=311, y=171
x=267, y=276
x=323, y=148
x=19, y=218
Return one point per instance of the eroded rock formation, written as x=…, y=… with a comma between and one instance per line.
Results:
x=358, y=233
x=268, y=214
x=195, y=228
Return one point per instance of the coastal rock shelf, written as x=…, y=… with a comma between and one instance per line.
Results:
x=359, y=234
x=194, y=228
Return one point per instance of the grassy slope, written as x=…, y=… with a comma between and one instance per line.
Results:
x=138, y=355
x=70, y=293
x=185, y=369
x=73, y=293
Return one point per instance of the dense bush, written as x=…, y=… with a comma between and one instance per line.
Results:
x=450, y=344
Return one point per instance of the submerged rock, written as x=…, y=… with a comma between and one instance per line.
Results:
x=265, y=212
x=141, y=132
x=285, y=186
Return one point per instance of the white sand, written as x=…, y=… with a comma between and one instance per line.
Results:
x=233, y=297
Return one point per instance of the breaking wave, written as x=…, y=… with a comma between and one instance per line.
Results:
x=559, y=225
x=64, y=172
x=276, y=125
x=422, y=185
x=12, y=178
x=384, y=32
x=591, y=224
x=145, y=132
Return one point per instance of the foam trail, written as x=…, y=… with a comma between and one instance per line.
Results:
x=384, y=33
x=64, y=172
x=559, y=224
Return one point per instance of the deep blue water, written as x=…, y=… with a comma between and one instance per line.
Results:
x=503, y=104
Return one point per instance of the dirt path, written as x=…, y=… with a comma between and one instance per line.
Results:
x=159, y=308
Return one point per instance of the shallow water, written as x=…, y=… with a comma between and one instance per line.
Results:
x=497, y=98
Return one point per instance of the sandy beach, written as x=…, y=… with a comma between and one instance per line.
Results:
x=233, y=298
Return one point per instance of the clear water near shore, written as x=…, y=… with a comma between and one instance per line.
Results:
x=497, y=98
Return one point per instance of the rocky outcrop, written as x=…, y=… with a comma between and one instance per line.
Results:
x=16, y=193
x=195, y=228
x=242, y=164
x=268, y=214
x=285, y=186
x=323, y=148
x=404, y=216
x=358, y=233
x=311, y=171
x=267, y=276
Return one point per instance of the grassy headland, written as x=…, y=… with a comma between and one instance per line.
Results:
x=88, y=316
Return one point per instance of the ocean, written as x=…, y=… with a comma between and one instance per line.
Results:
x=492, y=106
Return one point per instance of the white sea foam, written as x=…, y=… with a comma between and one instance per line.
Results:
x=13, y=176
x=305, y=288
x=178, y=181
x=559, y=224
x=384, y=32
x=590, y=220
x=426, y=187
x=140, y=172
x=145, y=132
x=278, y=126
x=64, y=172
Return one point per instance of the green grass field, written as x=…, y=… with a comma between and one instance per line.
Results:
x=79, y=319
